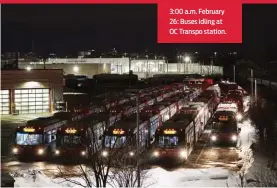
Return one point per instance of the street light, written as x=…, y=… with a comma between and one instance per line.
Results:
x=76, y=69
x=187, y=59
x=28, y=68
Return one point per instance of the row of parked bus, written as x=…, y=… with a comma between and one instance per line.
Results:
x=230, y=112
x=125, y=132
x=213, y=110
x=178, y=135
x=65, y=131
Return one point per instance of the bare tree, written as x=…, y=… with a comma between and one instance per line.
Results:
x=125, y=174
x=101, y=168
x=95, y=171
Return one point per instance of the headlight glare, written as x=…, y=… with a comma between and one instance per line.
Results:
x=156, y=154
x=105, y=153
x=15, y=150
x=40, y=151
x=239, y=117
x=183, y=154
x=213, y=138
x=234, y=137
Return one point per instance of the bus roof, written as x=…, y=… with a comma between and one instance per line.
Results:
x=129, y=122
x=43, y=121
x=155, y=107
x=181, y=124
x=182, y=117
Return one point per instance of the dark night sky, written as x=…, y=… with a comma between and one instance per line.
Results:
x=69, y=28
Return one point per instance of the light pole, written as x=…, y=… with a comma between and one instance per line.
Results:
x=187, y=60
x=234, y=71
x=156, y=64
x=252, y=90
x=136, y=93
x=178, y=65
x=147, y=69
x=138, y=167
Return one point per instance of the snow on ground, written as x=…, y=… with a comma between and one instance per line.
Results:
x=247, y=137
x=254, y=165
x=158, y=177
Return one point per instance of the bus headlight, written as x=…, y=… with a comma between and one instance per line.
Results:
x=57, y=152
x=239, y=117
x=183, y=154
x=234, y=138
x=15, y=150
x=40, y=151
x=105, y=153
x=156, y=154
x=213, y=138
x=131, y=153
x=83, y=153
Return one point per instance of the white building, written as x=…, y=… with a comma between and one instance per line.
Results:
x=142, y=67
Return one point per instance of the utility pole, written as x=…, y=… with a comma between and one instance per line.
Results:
x=234, y=71
x=166, y=65
x=138, y=167
x=252, y=90
x=256, y=97
x=129, y=64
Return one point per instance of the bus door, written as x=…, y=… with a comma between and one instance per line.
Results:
x=50, y=140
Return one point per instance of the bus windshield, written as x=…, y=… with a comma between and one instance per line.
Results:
x=28, y=139
x=71, y=140
x=225, y=128
x=114, y=141
x=168, y=141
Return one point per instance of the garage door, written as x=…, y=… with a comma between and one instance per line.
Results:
x=5, y=102
x=30, y=101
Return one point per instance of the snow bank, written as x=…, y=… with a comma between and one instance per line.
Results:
x=259, y=175
x=253, y=165
x=212, y=177
x=32, y=178
x=247, y=137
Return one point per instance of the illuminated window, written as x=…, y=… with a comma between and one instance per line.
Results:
x=168, y=141
x=114, y=141
x=28, y=139
x=71, y=140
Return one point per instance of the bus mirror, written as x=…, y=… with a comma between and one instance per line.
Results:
x=239, y=130
x=52, y=137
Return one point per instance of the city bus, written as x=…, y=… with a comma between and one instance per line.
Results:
x=38, y=137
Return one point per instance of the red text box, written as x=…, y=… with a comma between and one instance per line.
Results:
x=200, y=21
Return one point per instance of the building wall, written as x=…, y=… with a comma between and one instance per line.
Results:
x=83, y=69
x=194, y=68
x=142, y=67
x=150, y=65
x=22, y=79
